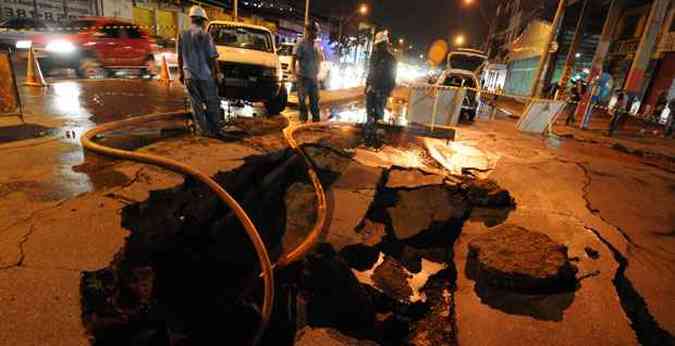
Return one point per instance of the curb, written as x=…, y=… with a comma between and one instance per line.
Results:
x=27, y=143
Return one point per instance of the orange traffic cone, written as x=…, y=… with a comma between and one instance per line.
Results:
x=33, y=72
x=165, y=74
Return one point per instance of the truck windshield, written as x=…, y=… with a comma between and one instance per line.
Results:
x=241, y=37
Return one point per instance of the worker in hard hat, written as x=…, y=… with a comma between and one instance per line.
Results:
x=380, y=83
x=199, y=71
x=307, y=58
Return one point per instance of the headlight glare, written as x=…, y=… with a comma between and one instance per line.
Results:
x=60, y=47
x=24, y=44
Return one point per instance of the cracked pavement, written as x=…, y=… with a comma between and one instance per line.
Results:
x=583, y=194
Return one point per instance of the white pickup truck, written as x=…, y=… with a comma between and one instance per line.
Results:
x=249, y=61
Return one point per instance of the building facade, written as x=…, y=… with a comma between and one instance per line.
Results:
x=633, y=40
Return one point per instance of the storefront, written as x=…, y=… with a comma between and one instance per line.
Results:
x=494, y=77
x=48, y=10
x=524, y=58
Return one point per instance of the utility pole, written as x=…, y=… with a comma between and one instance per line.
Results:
x=543, y=60
x=236, y=10
x=611, y=23
x=571, y=55
x=306, y=15
x=636, y=77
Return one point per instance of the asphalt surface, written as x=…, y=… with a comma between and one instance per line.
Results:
x=59, y=214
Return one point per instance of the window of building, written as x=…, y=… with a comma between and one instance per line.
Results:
x=672, y=23
x=630, y=25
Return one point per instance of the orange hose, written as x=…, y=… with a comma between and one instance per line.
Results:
x=313, y=237
x=251, y=231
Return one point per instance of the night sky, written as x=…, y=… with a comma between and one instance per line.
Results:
x=420, y=22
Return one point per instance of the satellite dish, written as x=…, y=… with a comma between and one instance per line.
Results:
x=438, y=53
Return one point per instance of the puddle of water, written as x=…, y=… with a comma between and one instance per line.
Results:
x=355, y=112
x=389, y=156
x=553, y=142
x=415, y=281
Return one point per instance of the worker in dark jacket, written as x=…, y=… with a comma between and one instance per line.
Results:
x=381, y=76
x=381, y=79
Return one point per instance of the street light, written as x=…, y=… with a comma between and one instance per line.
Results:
x=401, y=41
x=363, y=9
x=460, y=40
x=488, y=20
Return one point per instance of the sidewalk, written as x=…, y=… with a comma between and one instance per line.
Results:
x=633, y=137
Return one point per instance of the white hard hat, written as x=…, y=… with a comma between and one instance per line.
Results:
x=382, y=36
x=197, y=11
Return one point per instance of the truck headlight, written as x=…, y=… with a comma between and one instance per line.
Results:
x=23, y=44
x=60, y=47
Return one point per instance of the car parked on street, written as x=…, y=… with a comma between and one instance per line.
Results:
x=286, y=58
x=463, y=79
x=248, y=59
x=463, y=68
x=95, y=45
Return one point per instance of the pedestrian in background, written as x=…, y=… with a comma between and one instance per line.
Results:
x=307, y=58
x=575, y=98
x=670, y=123
x=199, y=71
x=381, y=79
x=600, y=90
x=617, y=111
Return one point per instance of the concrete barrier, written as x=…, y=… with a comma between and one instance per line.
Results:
x=435, y=106
x=540, y=115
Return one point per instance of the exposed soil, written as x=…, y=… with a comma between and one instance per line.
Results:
x=187, y=274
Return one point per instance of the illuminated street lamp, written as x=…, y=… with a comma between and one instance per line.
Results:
x=363, y=9
x=488, y=21
x=460, y=40
x=401, y=41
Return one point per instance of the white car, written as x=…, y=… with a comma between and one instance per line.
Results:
x=463, y=68
x=249, y=61
x=466, y=79
x=286, y=58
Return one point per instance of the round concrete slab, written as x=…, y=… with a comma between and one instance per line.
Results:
x=515, y=258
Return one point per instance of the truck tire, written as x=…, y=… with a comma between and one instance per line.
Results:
x=277, y=105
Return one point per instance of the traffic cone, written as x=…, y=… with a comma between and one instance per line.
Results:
x=33, y=72
x=165, y=74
